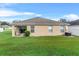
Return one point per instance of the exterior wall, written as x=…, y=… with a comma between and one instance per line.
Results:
x=40, y=31
x=43, y=31
x=15, y=31
x=66, y=29
x=28, y=28
x=74, y=30
x=1, y=29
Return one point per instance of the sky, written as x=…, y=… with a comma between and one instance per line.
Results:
x=54, y=11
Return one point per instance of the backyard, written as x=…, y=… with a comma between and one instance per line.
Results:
x=38, y=46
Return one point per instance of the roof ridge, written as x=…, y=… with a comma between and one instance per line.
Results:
x=36, y=18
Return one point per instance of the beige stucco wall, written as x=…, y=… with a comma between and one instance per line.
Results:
x=15, y=31
x=66, y=29
x=43, y=31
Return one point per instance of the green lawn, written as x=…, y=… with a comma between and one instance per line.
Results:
x=38, y=46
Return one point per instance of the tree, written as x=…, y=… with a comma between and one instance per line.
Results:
x=63, y=20
x=5, y=23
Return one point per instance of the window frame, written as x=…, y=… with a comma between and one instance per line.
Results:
x=32, y=28
x=62, y=29
x=50, y=28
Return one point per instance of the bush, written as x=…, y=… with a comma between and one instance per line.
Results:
x=27, y=33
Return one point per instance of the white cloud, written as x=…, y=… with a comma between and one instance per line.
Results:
x=56, y=19
x=51, y=18
x=14, y=13
x=7, y=15
x=38, y=15
x=26, y=13
x=71, y=17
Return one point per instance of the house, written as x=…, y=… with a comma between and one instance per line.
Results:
x=4, y=26
x=39, y=27
x=1, y=28
x=74, y=27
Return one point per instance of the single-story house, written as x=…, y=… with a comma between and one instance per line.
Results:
x=4, y=26
x=1, y=28
x=74, y=27
x=39, y=27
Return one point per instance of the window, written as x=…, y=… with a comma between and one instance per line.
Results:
x=62, y=28
x=32, y=28
x=50, y=28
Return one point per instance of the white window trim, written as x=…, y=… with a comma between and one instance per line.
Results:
x=62, y=29
x=50, y=28
x=32, y=28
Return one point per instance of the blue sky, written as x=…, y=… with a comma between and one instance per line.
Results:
x=54, y=11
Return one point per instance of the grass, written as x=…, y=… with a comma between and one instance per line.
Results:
x=38, y=46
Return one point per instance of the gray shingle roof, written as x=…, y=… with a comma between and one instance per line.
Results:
x=39, y=21
x=76, y=22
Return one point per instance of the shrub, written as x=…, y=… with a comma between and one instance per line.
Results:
x=27, y=33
